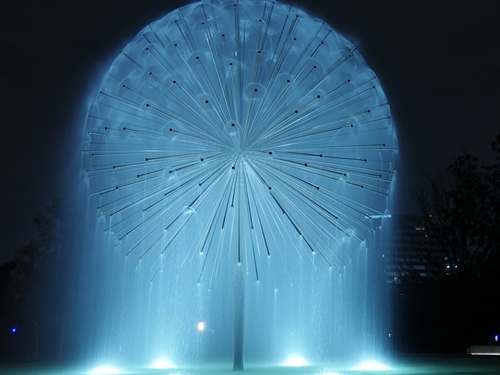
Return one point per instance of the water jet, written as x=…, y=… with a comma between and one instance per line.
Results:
x=235, y=151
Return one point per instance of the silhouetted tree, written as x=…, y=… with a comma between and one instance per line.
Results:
x=8, y=340
x=37, y=283
x=463, y=207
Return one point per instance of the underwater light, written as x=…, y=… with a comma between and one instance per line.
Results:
x=371, y=366
x=295, y=361
x=201, y=326
x=105, y=370
x=161, y=363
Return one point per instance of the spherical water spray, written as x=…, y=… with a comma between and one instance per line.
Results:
x=245, y=135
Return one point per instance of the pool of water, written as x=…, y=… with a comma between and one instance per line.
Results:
x=456, y=365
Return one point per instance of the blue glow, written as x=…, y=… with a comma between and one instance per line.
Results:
x=222, y=134
x=300, y=133
x=14, y=330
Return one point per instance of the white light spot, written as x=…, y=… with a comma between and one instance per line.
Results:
x=201, y=326
x=102, y=370
x=161, y=363
x=371, y=366
x=295, y=361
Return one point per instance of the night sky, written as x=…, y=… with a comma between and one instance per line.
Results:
x=438, y=62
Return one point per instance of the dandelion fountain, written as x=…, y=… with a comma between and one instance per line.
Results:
x=239, y=161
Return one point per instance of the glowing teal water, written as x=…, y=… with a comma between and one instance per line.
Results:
x=236, y=133
x=408, y=366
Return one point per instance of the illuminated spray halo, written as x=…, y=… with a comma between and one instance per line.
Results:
x=240, y=133
x=250, y=113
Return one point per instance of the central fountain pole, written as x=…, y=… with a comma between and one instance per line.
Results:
x=239, y=280
x=239, y=317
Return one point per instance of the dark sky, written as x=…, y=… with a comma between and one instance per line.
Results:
x=438, y=62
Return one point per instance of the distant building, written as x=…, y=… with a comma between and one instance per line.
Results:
x=414, y=250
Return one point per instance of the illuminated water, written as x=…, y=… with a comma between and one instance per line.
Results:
x=239, y=161
x=408, y=366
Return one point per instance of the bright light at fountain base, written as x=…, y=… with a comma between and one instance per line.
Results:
x=104, y=370
x=161, y=363
x=371, y=366
x=295, y=361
